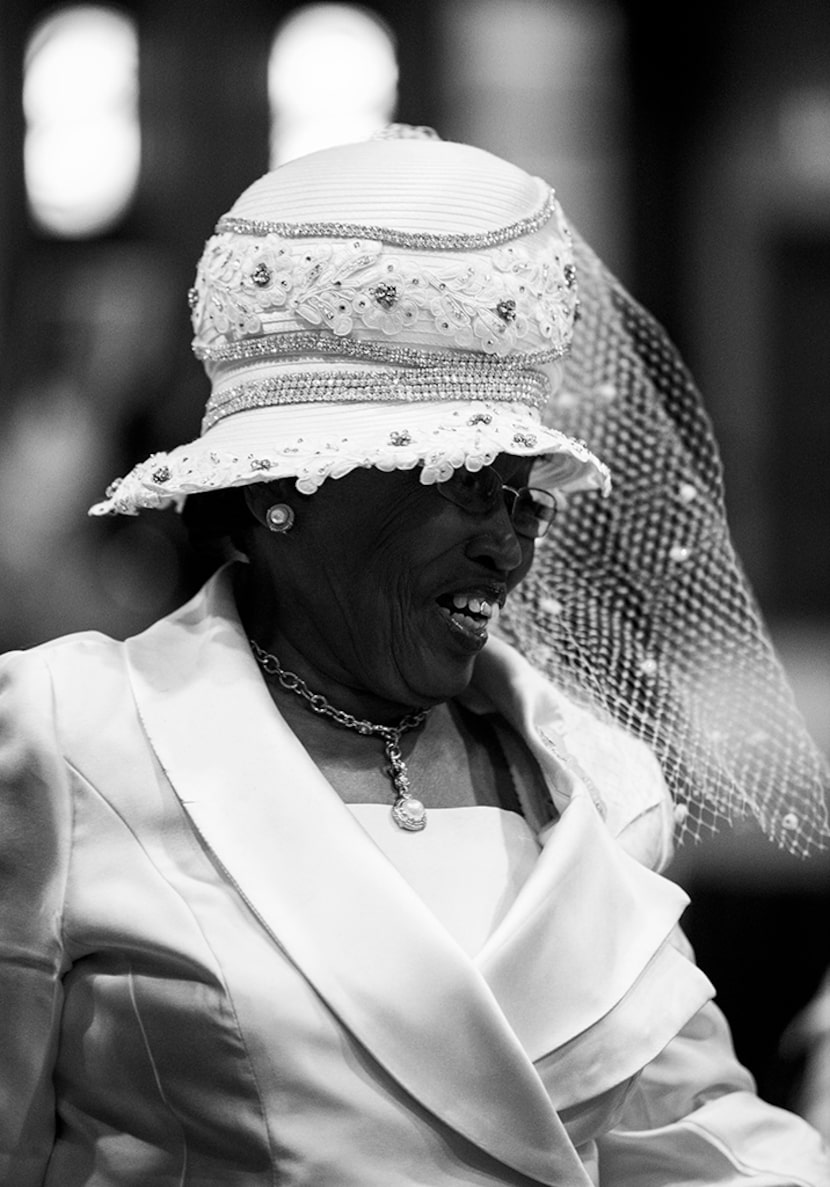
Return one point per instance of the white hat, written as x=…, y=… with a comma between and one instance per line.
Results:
x=397, y=303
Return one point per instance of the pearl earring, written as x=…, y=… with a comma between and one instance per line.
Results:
x=279, y=518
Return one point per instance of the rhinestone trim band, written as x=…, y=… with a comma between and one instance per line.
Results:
x=439, y=385
x=417, y=240
x=309, y=342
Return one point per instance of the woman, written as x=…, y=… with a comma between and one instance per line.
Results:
x=319, y=880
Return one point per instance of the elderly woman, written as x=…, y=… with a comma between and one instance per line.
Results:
x=344, y=873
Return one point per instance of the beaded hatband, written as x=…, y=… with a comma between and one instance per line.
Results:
x=323, y=344
x=437, y=385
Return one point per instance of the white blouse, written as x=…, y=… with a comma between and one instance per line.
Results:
x=468, y=865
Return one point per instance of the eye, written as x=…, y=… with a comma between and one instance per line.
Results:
x=513, y=471
x=474, y=482
x=474, y=491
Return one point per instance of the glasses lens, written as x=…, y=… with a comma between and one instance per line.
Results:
x=533, y=512
x=480, y=492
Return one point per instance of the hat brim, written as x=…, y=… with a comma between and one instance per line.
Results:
x=313, y=443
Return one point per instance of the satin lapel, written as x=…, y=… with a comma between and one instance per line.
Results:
x=557, y=991
x=554, y=987
x=327, y=895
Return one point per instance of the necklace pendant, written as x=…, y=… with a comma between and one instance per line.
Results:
x=409, y=814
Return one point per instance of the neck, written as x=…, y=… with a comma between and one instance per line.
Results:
x=324, y=677
x=293, y=684
x=329, y=742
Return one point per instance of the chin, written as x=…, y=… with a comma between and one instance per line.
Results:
x=443, y=685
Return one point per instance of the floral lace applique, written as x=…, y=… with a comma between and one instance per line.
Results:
x=494, y=302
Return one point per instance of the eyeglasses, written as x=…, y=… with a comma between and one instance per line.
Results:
x=480, y=492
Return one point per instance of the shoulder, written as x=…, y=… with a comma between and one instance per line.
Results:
x=36, y=797
x=70, y=664
x=81, y=686
x=620, y=771
x=68, y=688
x=624, y=776
x=69, y=658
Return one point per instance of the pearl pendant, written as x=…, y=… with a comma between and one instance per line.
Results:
x=409, y=814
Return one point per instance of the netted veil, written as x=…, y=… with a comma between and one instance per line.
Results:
x=638, y=605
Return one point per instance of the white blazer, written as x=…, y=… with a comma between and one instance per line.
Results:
x=209, y=973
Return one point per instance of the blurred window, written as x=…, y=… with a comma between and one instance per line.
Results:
x=332, y=79
x=543, y=83
x=80, y=100
x=804, y=133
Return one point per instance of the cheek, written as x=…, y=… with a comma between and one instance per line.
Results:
x=528, y=552
x=385, y=589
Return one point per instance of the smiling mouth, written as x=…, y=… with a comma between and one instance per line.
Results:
x=471, y=613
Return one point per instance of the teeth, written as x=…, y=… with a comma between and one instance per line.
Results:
x=475, y=605
x=480, y=616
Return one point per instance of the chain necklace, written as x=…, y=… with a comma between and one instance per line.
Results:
x=407, y=812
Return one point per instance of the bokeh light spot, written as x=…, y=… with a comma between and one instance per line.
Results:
x=80, y=99
x=332, y=79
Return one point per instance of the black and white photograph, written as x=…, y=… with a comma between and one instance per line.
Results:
x=415, y=594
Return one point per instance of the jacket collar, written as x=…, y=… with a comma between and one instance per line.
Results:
x=359, y=933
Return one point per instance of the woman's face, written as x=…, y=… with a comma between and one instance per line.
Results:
x=373, y=584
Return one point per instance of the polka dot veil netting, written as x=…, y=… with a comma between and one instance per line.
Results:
x=637, y=604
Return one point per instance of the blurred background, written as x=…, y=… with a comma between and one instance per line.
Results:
x=690, y=144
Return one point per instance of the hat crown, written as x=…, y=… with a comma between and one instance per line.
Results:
x=374, y=249
x=410, y=185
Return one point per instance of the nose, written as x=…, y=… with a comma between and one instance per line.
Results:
x=496, y=544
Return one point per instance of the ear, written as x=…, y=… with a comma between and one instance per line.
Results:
x=259, y=496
